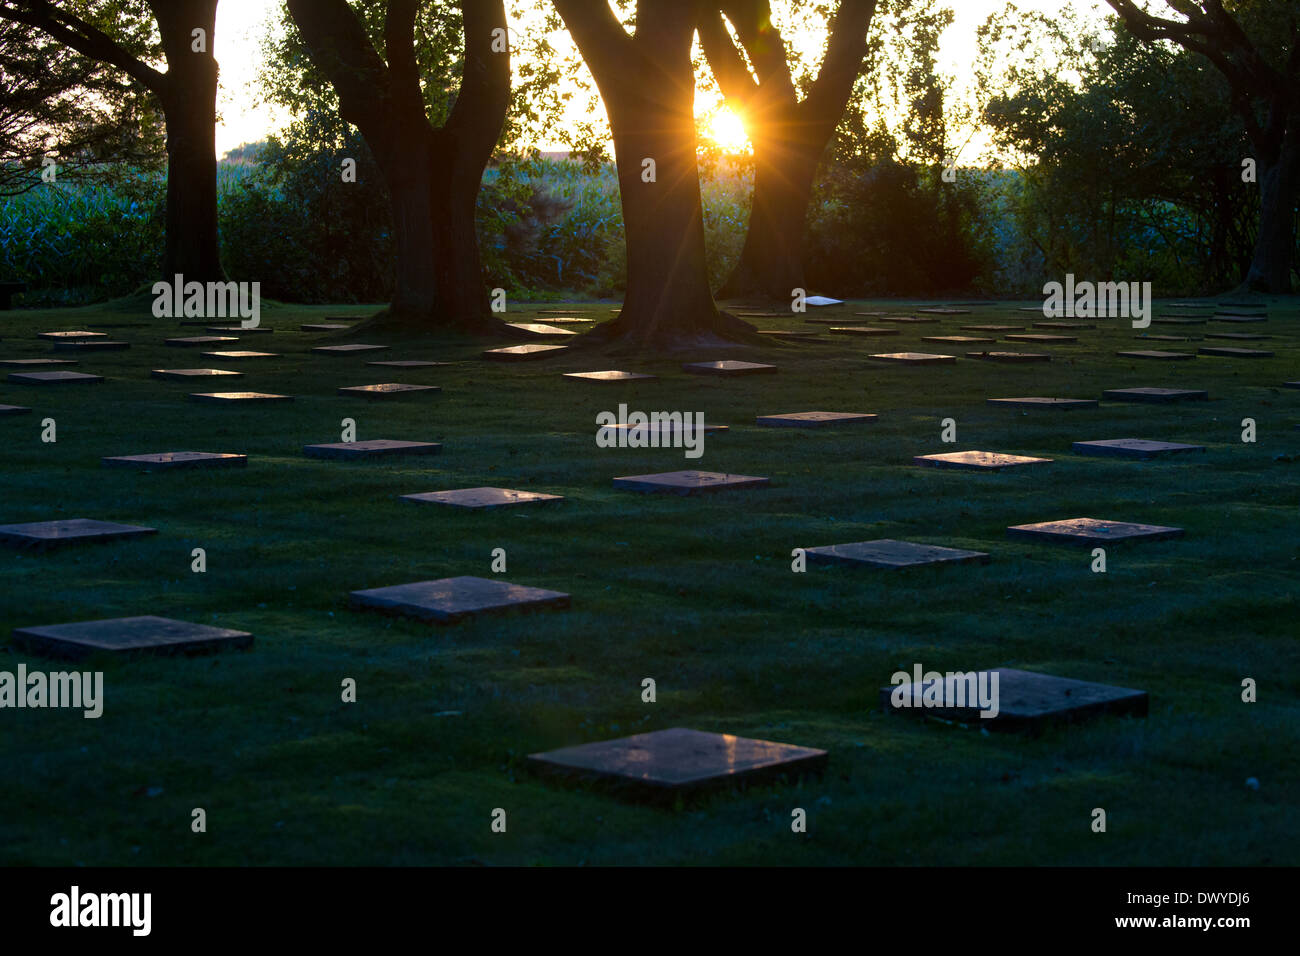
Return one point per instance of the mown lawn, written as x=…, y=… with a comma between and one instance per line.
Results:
x=697, y=593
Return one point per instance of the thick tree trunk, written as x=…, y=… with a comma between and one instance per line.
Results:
x=458, y=266
x=410, y=187
x=1279, y=188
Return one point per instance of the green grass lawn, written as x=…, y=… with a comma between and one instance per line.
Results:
x=697, y=593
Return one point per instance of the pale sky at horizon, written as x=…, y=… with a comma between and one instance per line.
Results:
x=242, y=26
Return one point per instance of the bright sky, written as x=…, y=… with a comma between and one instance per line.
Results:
x=242, y=24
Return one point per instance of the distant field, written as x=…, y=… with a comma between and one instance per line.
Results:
x=697, y=593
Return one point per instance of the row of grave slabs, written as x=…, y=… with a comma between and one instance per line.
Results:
x=676, y=760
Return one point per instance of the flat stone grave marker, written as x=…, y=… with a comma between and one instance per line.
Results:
x=1064, y=325
x=992, y=328
x=1155, y=395
x=728, y=368
x=53, y=378
x=1291, y=384
x=611, y=377
x=408, y=363
x=870, y=314
x=1237, y=336
x=36, y=362
x=888, y=553
x=861, y=330
x=1179, y=321
x=915, y=358
x=448, y=600
x=942, y=311
x=1166, y=338
x=688, y=482
x=792, y=336
x=1223, y=351
x=52, y=534
x=977, y=460
x=1132, y=448
x=561, y=311
x=350, y=349
x=1157, y=356
x=1063, y=404
x=908, y=319
x=375, y=448
x=1090, y=531
x=813, y=419
x=482, y=498
x=1026, y=700
x=184, y=374
x=956, y=339
x=1041, y=338
x=677, y=761
x=1239, y=319
x=13, y=410
x=386, y=390
x=239, y=398
x=1191, y=305
x=170, y=460
x=70, y=336
x=239, y=330
x=1013, y=358
x=92, y=345
x=540, y=331
x=324, y=327
x=523, y=353
x=195, y=341
x=128, y=636
x=240, y=355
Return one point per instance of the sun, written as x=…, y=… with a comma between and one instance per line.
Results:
x=727, y=130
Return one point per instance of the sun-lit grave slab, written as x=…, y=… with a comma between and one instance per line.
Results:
x=993, y=328
x=73, y=336
x=1157, y=355
x=791, y=336
x=821, y=301
x=13, y=410
x=814, y=419
x=128, y=636
x=908, y=319
x=374, y=448
x=978, y=460
x=1090, y=531
x=1157, y=396
x=171, y=460
x=538, y=330
x=35, y=362
x=1042, y=338
x=888, y=553
x=448, y=600
x=53, y=378
x=1049, y=404
x=408, y=363
x=523, y=353
x=611, y=377
x=240, y=356
x=92, y=345
x=1237, y=336
x=1141, y=448
x=1025, y=700
x=1010, y=358
x=477, y=498
x=914, y=358
x=200, y=341
x=324, y=327
x=957, y=339
x=677, y=761
x=185, y=374
x=728, y=368
x=386, y=390
x=1065, y=326
x=53, y=534
x=864, y=330
x=353, y=348
x=566, y=320
x=239, y=398
x=688, y=482
x=1239, y=319
x=562, y=311
x=1223, y=351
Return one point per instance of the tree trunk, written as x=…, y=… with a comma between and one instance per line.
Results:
x=407, y=174
x=1279, y=187
x=458, y=266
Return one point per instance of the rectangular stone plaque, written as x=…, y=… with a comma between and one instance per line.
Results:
x=888, y=553
x=70, y=336
x=956, y=339
x=375, y=448
x=386, y=390
x=1010, y=358
x=915, y=358
x=13, y=410
x=51, y=534
x=1223, y=351
x=93, y=345
x=240, y=356
x=611, y=377
x=482, y=498
x=1091, y=531
x=448, y=600
x=688, y=482
x=523, y=353
x=1155, y=395
x=53, y=378
x=977, y=460
x=862, y=330
x=185, y=374
x=1063, y=404
x=324, y=327
x=36, y=362
x=169, y=460
x=239, y=398
x=539, y=331
x=813, y=419
x=352, y=348
x=128, y=636
x=728, y=368
x=1132, y=448
x=1158, y=356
